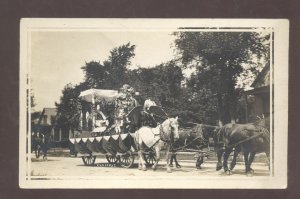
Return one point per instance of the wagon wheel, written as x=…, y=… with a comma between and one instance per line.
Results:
x=150, y=158
x=126, y=160
x=89, y=160
x=112, y=159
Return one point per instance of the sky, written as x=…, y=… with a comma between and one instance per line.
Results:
x=57, y=57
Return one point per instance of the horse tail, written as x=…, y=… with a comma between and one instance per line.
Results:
x=266, y=138
x=265, y=134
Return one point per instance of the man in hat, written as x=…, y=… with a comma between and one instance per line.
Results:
x=147, y=116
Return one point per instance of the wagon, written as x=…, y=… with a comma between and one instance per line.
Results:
x=89, y=142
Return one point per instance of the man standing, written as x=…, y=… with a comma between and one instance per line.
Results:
x=124, y=104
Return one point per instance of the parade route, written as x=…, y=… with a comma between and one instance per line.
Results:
x=73, y=166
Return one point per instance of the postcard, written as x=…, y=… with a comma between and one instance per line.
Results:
x=153, y=103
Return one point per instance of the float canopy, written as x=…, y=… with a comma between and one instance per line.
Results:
x=98, y=95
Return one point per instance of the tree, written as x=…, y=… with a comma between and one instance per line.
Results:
x=219, y=58
x=68, y=108
x=161, y=83
x=111, y=74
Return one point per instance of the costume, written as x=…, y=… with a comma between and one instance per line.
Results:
x=123, y=105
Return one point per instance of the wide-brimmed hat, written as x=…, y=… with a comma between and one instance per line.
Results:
x=122, y=96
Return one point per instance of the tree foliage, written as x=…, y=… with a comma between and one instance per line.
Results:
x=219, y=58
x=110, y=74
x=69, y=107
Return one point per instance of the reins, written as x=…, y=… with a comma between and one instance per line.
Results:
x=190, y=143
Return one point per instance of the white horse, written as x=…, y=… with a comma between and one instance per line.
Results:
x=163, y=135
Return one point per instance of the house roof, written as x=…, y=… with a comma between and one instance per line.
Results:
x=262, y=82
x=257, y=91
x=50, y=112
x=263, y=78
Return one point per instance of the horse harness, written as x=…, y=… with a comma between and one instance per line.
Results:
x=161, y=133
x=242, y=141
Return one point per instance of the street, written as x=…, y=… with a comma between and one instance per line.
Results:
x=73, y=166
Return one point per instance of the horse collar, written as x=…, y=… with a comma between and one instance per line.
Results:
x=161, y=133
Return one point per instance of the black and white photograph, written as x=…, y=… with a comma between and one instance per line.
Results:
x=153, y=103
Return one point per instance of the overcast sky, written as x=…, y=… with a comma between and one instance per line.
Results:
x=57, y=57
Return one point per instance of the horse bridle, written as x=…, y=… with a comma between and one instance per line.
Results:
x=161, y=133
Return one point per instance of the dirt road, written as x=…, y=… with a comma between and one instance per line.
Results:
x=72, y=166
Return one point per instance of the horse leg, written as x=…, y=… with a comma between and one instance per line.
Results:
x=45, y=149
x=37, y=151
x=141, y=159
x=251, y=158
x=225, y=158
x=220, y=152
x=175, y=159
x=235, y=154
x=169, y=170
x=246, y=159
x=157, y=152
x=199, y=161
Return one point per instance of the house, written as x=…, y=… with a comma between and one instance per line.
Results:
x=47, y=125
x=258, y=99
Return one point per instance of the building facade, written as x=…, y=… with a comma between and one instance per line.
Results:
x=258, y=99
x=59, y=136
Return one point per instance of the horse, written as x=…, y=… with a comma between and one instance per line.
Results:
x=251, y=138
x=159, y=137
x=40, y=143
x=191, y=138
x=147, y=115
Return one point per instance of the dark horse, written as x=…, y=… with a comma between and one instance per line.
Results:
x=40, y=143
x=138, y=117
x=250, y=138
x=191, y=138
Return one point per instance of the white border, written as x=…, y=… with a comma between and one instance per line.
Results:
x=280, y=28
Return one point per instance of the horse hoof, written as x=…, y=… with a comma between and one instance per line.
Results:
x=178, y=166
x=218, y=168
x=140, y=167
x=250, y=172
x=169, y=170
x=228, y=172
x=144, y=168
x=153, y=168
x=171, y=165
x=198, y=167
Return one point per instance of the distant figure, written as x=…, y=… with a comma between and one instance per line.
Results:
x=101, y=122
